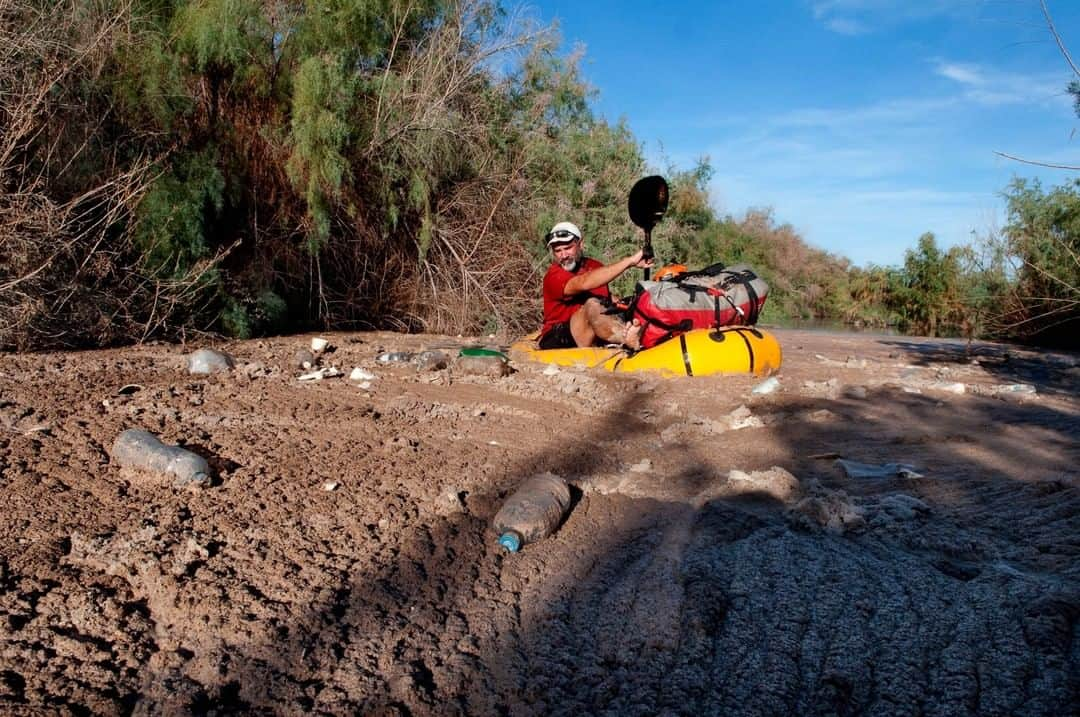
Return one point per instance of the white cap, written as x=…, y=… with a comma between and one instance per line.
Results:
x=559, y=233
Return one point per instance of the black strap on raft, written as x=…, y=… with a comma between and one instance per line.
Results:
x=720, y=335
x=711, y=270
x=733, y=278
x=749, y=348
x=744, y=278
x=685, y=355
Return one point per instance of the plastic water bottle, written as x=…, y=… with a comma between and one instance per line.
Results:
x=533, y=512
x=142, y=450
x=206, y=361
x=394, y=357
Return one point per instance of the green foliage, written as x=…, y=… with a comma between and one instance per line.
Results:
x=926, y=296
x=247, y=316
x=1043, y=234
x=320, y=128
x=235, y=320
x=395, y=163
x=224, y=34
x=176, y=215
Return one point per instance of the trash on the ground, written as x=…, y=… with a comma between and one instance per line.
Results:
x=550, y=370
x=481, y=351
x=366, y=385
x=912, y=389
x=129, y=389
x=359, y=374
x=487, y=365
x=642, y=466
x=142, y=450
x=854, y=392
x=1018, y=388
x=767, y=386
x=854, y=469
x=206, y=361
x=319, y=344
x=330, y=486
x=533, y=512
x=303, y=359
x=320, y=374
x=949, y=387
x=853, y=362
x=394, y=357
x=431, y=361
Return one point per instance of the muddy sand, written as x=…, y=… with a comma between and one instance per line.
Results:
x=717, y=558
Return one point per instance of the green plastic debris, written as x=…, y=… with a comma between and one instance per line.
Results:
x=478, y=351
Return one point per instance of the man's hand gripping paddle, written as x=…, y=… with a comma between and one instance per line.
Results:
x=647, y=204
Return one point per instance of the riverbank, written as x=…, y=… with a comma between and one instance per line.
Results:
x=717, y=559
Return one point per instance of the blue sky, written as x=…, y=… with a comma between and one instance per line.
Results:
x=862, y=123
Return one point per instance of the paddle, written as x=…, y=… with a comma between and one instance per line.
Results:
x=647, y=204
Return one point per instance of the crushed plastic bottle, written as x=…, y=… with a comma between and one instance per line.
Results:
x=394, y=357
x=482, y=365
x=767, y=386
x=142, y=450
x=1021, y=388
x=533, y=512
x=205, y=361
x=431, y=361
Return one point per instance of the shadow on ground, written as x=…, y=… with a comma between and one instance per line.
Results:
x=956, y=594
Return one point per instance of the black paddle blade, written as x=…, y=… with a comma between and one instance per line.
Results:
x=648, y=201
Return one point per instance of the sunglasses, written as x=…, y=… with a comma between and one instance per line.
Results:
x=563, y=234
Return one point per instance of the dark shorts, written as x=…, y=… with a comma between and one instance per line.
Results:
x=558, y=337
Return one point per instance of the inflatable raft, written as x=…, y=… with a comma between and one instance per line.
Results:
x=701, y=352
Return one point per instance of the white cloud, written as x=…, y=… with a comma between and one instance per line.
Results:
x=857, y=17
x=865, y=181
x=846, y=26
x=990, y=87
x=964, y=74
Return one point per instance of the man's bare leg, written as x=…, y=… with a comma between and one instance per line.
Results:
x=592, y=322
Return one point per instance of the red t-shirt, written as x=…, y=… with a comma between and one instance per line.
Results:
x=558, y=308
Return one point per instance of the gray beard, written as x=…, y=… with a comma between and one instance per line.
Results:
x=570, y=265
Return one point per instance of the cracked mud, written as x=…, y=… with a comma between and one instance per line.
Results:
x=716, y=559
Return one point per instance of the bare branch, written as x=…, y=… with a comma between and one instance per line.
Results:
x=1057, y=38
x=1038, y=164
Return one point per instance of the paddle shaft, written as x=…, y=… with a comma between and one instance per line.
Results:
x=646, y=251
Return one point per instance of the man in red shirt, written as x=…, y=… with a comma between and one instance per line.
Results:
x=576, y=296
